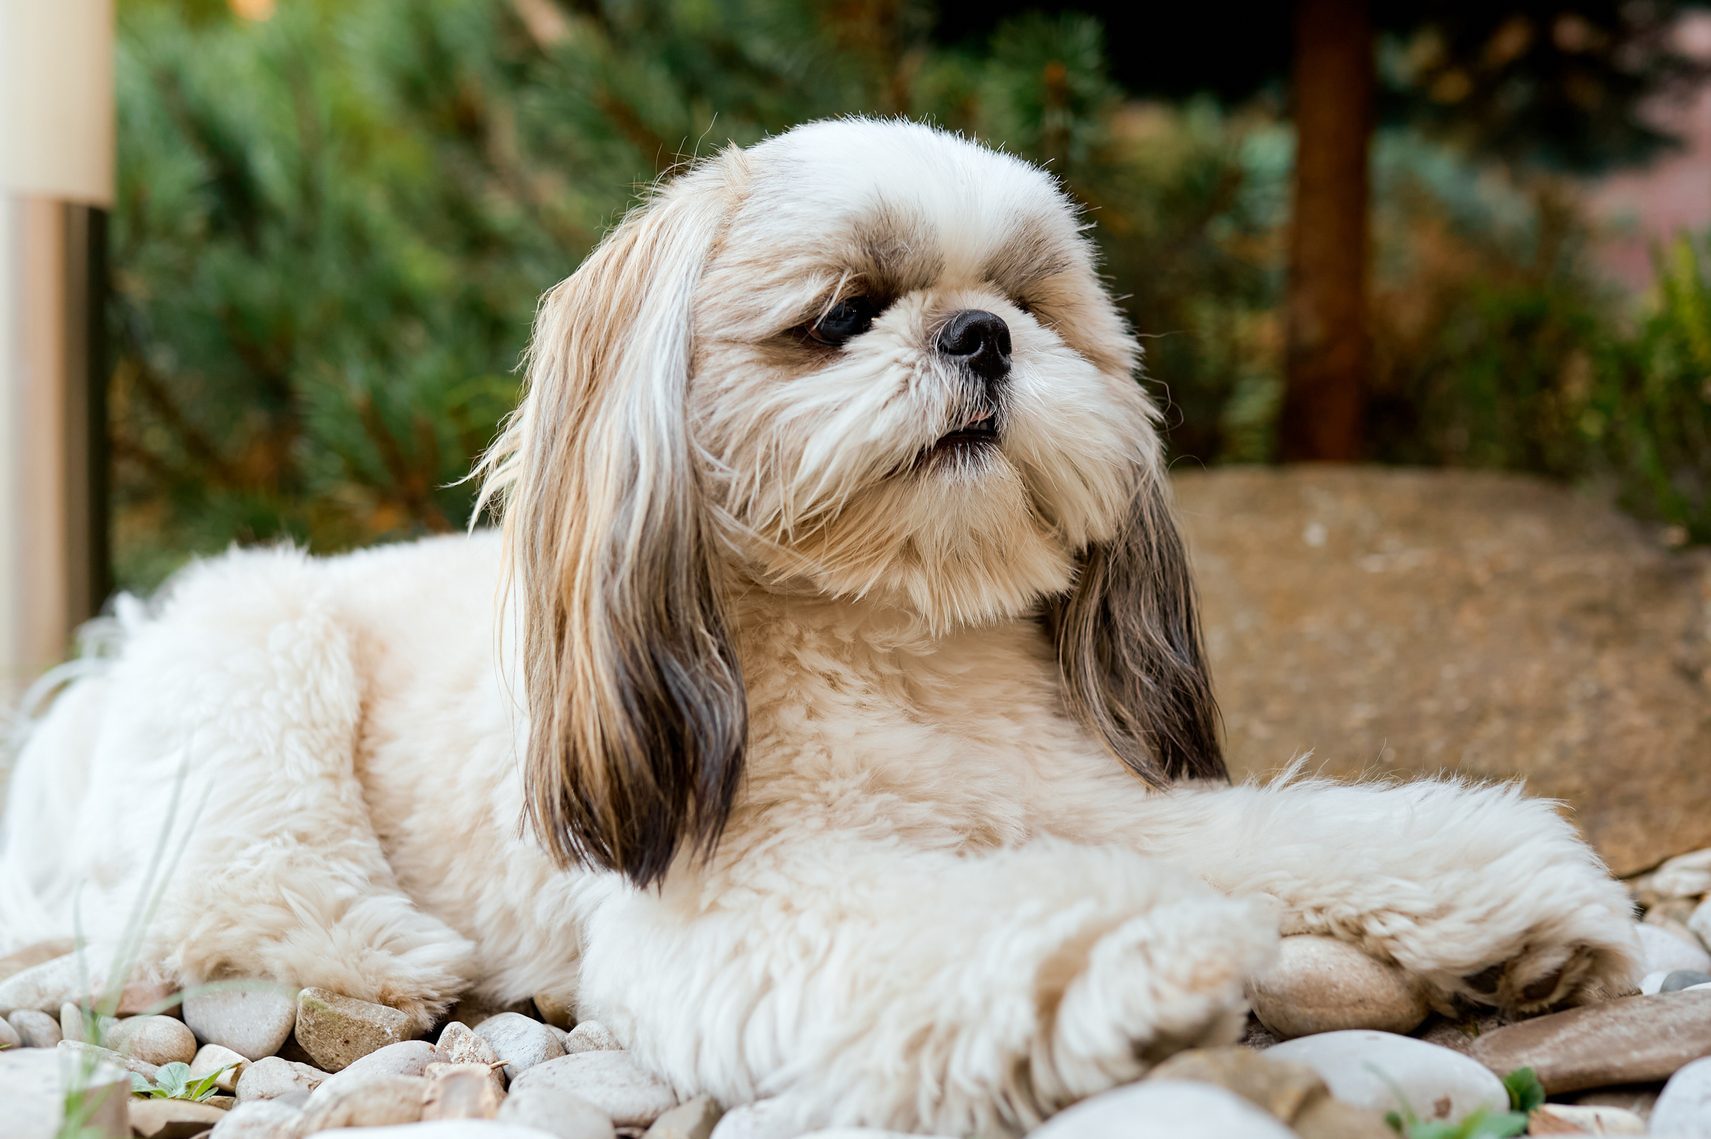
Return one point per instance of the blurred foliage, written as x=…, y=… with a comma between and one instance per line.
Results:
x=332, y=224
x=1649, y=409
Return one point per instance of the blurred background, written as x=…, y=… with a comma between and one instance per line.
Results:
x=1473, y=238
x=333, y=218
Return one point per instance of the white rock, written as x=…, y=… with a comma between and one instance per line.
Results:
x=765, y=1119
x=261, y=1119
x=458, y=1044
x=1684, y=1107
x=155, y=1039
x=252, y=1018
x=1320, y=984
x=868, y=1133
x=1588, y=1119
x=84, y=1053
x=462, y=1091
x=376, y=1100
x=46, y=986
x=273, y=1076
x=611, y=1081
x=1368, y=1069
x=74, y=1023
x=560, y=1113
x=1664, y=952
x=521, y=1041
x=164, y=1118
x=35, y=1029
x=862, y=1133
x=1699, y=923
x=211, y=1058
x=1164, y=1109
x=591, y=1036
x=406, y=1058
x=692, y=1119
x=439, y=1129
x=557, y=1009
x=1685, y=876
x=9, y=1037
x=1652, y=983
x=34, y=1084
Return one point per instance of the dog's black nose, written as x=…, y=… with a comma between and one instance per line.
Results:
x=981, y=339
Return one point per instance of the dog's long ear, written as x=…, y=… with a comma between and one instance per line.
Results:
x=1128, y=642
x=637, y=716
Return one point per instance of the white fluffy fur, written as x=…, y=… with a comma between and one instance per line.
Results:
x=939, y=902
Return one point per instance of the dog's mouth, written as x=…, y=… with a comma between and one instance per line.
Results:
x=978, y=432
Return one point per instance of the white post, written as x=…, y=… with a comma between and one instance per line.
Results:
x=56, y=180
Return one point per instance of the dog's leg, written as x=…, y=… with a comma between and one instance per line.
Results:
x=237, y=712
x=875, y=984
x=1479, y=891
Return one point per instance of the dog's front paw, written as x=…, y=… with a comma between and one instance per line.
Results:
x=1536, y=923
x=1155, y=985
x=1582, y=953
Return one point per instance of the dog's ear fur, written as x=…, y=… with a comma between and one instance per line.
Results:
x=1128, y=643
x=636, y=706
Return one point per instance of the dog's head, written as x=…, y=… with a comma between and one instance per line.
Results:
x=869, y=360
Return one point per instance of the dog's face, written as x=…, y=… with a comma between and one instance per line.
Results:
x=907, y=382
x=864, y=359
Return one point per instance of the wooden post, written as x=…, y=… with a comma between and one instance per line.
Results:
x=1328, y=357
x=56, y=179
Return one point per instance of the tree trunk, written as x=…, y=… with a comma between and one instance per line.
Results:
x=1327, y=354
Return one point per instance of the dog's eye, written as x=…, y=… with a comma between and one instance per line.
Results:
x=844, y=321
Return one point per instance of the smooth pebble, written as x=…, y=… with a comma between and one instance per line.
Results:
x=262, y=1119
x=211, y=1058
x=1370, y=1069
x=1684, y=1107
x=1163, y=1109
x=252, y=1018
x=560, y=1113
x=520, y=1041
x=273, y=1076
x=1321, y=984
x=591, y=1036
x=1570, y=1119
x=169, y=1118
x=375, y=1100
x=35, y=1028
x=692, y=1119
x=155, y=1039
x=1663, y=951
x=439, y=1129
x=611, y=1081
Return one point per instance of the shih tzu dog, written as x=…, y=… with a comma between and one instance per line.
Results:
x=828, y=717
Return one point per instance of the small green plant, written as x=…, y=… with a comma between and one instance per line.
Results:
x=1525, y=1090
x=173, y=1081
x=1525, y=1093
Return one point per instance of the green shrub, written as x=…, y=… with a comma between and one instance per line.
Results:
x=1648, y=414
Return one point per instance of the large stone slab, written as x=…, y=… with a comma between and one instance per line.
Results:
x=1497, y=625
x=1628, y=1041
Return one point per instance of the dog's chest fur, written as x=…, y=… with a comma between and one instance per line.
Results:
x=957, y=740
